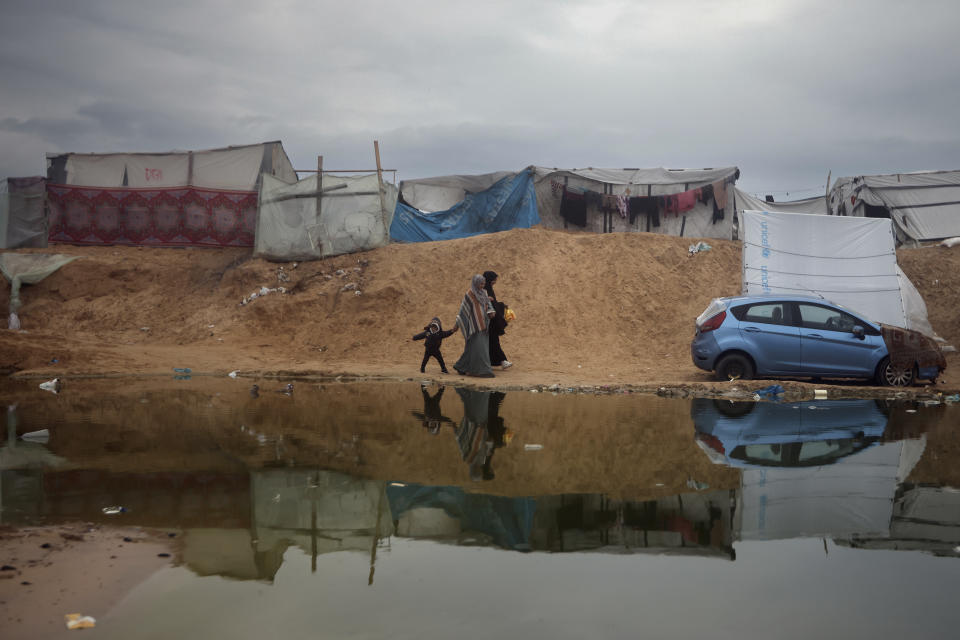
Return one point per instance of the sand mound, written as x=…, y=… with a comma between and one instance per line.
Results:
x=591, y=308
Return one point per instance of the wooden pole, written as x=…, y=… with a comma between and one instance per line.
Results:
x=383, y=207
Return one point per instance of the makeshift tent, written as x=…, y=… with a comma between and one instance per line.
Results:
x=924, y=206
x=687, y=202
x=27, y=268
x=471, y=205
x=849, y=261
x=202, y=198
x=747, y=202
x=23, y=221
x=694, y=203
x=298, y=221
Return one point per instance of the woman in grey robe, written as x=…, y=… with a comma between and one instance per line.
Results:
x=474, y=322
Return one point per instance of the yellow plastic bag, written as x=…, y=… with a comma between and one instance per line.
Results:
x=509, y=315
x=79, y=621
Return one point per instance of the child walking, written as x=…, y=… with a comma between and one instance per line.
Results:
x=433, y=335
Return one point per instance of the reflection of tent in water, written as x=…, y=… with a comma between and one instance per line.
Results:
x=451, y=512
x=688, y=524
x=318, y=511
x=833, y=483
x=925, y=518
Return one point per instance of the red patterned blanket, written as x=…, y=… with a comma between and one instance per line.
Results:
x=170, y=217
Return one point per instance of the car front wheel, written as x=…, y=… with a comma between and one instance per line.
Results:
x=734, y=366
x=891, y=376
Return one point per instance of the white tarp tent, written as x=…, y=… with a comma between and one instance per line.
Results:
x=442, y=192
x=747, y=202
x=296, y=221
x=23, y=221
x=924, y=206
x=849, y=261
x=235, y=168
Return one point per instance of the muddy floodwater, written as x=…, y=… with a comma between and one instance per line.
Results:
x=399, y=510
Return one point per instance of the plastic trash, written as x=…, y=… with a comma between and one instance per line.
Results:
x=42, y=436
x=79, y=621
x=699, y=248
x=771, y=391
x=820, y=394
x=112, y=511
x=233, y=374
x=532, y=447
x=53, y=386
x=182, y=369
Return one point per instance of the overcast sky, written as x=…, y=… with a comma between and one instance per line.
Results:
x=785, y=90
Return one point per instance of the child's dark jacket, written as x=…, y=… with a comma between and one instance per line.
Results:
x=432, y=341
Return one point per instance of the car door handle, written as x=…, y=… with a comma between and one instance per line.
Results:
x=814, y=335
x=752, y=329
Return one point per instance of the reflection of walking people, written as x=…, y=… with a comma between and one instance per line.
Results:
x=476, y=310
x=433, y=335
x=472, y=436
x=432, y=417
x=498, y=324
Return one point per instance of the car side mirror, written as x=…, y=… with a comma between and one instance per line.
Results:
x=858, y=332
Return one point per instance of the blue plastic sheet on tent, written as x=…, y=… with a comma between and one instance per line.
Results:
x=510, y=203
x=507, y=520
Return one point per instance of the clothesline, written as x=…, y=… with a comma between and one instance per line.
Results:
x=575, y=200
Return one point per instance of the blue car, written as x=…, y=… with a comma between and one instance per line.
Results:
x=800, y=336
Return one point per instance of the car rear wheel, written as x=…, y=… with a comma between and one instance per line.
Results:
x=734, y=366
x=891, y=376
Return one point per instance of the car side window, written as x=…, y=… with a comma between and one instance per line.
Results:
x=765, y=313
x=814, y=316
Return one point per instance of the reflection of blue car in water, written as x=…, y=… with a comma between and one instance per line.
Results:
x=789, y=434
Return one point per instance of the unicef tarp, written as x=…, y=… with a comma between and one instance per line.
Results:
x=509, y=204
x=849, y=261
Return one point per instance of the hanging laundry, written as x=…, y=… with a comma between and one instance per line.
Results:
x=592, y=198
x=649, y=207
x=678, y=203
x=573, y=208
x=622, y=205
x=609, y=203
x=717, y=213
x=720, y=193
x=706, y=193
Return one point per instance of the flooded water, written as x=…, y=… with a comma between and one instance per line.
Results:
x=375, y=510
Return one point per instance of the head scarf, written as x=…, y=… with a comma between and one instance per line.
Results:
x=473, y=310
x=490, y=276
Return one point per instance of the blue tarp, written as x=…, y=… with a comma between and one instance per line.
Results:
x=507, y=520
x=510, y=203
